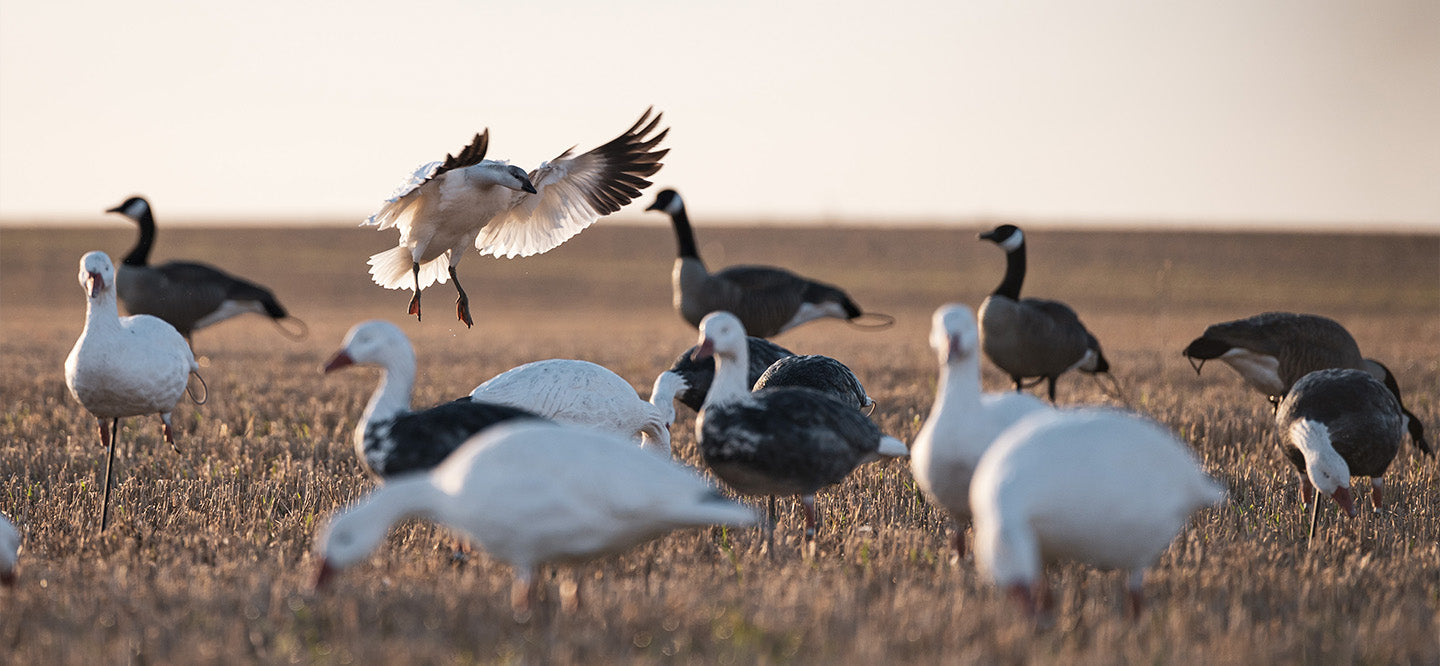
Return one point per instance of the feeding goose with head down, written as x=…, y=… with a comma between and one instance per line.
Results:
x=698, y=373
x=445, y=207
x=768, y=300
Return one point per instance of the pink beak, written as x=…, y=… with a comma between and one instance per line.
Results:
x=1342, y=497
x=339, y=360
x=97, y=284
x=704, y=351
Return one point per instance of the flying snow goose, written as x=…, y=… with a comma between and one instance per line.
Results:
x=818, y=372
x=9, y=551
x=698, y=373
x=777, y=441
x=390, y=438
x=445, y=207
x=586, y=394
x=768, y=300
x=188, y=295
x=1098, y=486
x=1338, y=423
x=533, y=493
x=1273, y=350
x=124, y=366
x=1032, y=337
x=963, y=421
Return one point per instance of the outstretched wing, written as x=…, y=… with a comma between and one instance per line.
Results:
x=408, y=192
x=573, y=192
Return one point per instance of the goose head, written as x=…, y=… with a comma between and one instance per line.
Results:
x=134, y=208
x=721, y=335
x=953, y=333
x=668, y=201
x=1007, y=236
x=1328, y=472
x=374, y=342
x=502, y=174
x=348, y=538
x=97, y=273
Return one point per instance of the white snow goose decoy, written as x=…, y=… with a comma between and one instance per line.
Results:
x=532, y=493
x=445, y=207
x=768, y=300
x=187, y=295
x=818, y=372
x=1032, y=337
x=9, y=551
x=124, y=366
x=1338, y=423
x=586, y=394
x=963, y=422
x=390, y=438
x=1097, y=486
x=1273, y=350
x=777, y=441
x=698, y=373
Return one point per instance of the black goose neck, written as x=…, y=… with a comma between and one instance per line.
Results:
x=1014, y=274
x=684, y=236
x=140, y=254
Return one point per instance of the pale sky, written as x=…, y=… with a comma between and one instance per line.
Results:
x=1226, y=111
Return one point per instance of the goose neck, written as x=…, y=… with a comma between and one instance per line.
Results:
x=684, y=235
x=101, y=313
x=1014, y=274
x=729, y=384
x=140, y=254
x=392, y=396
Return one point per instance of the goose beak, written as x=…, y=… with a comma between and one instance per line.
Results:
x=704, y=351
x=986, y=235
x=96, y=282
x=322, y=576
x=654, y=205
x=528, y=186
x=339, y=360
x=1342, y=497
x=115, y=209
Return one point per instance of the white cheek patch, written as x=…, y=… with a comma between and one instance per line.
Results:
x=813, y=311
x=675, y=205
x=136, y=209
x=227, y=310
x=1014, y=241
x=1261, y=370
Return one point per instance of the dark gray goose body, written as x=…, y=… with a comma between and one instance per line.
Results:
x=817, y=372
x=187, y=295
x=1032, y=337
x=768, y=300
x=390, y=438
x=1339, y=423
x=776, y=441
x=1273, y=350
x=699, y=373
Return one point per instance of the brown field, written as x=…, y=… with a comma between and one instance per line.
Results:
x=208, y=555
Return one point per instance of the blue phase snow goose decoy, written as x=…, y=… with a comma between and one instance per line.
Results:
x=818, y=372
x=390, y=438
x=1032, y=337
x=768, y=300
x=1273, y=350
x=777, y=441
x=698, y=373
x=187, y=295
x=445, y=207
x=1337, y=423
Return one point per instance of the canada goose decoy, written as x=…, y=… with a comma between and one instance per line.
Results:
x=589, y=395
x=777, y=441
x=533, y=493
x=124, y=366
x=1273, y=350
x=1032, y=337
x=187, y=295
x=1337, y=423
x=1097, y=486
x=963, y=421
x=698, y=373
x=768, y=300
x=392, y=439
x=818, y=372
x=445, y=207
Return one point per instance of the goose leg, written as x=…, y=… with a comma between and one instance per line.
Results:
x=1136, y=594
x=812, y=518
x=1050, y=388
x=109, y=461
x=1307, y=492
x=1019, y=383
x=169, y=432
x=957, y=541
x=104, y=433
x=1020, y=592
x=415, y=301
x=1375, y=485
x=462, y=303
x=522, y=590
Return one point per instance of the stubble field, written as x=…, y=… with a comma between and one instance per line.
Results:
x=208, y=556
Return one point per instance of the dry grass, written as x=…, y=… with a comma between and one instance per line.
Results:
x=208, y=555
